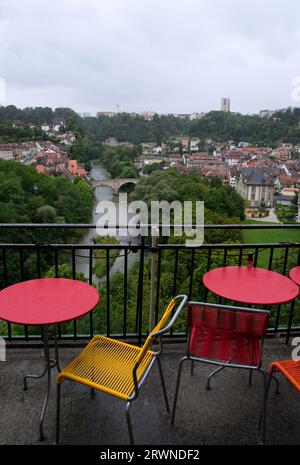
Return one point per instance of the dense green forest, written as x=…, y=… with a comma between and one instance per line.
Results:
x=284, y=125
x=136, y=129
x=170, y=185
x=84, y=150
x=119, y=162
x=29, y=197
x=26, y=195
x=37, y=115
x=9, y=134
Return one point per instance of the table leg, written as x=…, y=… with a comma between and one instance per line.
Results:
x=56, y=352
x=34, y=377
x=49, y=363
x=290, y=322
x=48, y=370
x=53, y=363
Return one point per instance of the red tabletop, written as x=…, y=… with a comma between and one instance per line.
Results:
x=294, y=274
x=250, y=285
x=46, y=301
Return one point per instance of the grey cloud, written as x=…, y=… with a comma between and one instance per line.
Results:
x=171, y=55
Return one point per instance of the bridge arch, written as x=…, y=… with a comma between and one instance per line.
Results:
x=114, y=184
x=127, y=181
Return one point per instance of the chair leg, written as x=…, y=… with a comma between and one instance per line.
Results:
x=192, y=368
x=163, y=384
x=213, y=373
x=93, y=393
x=263, y=414
x=250, y=377
x=271, y=377
x=267, y=383
x=177, y=388
x=58, y=386
x=277, y=384
x=129, y=425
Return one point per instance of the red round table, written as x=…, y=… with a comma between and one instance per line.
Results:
x=294, y=274
x=46, y=302
x=250, y=285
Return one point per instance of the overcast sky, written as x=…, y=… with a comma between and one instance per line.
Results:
x=176, y=56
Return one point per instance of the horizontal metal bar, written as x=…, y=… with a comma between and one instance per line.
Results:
x=223, y=364
x=231, y=246
x=131, y=247
x=34, y=342
x=146, y=225
x=230, y=307
x=128, y=247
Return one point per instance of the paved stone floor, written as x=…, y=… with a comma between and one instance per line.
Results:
x=227, y=414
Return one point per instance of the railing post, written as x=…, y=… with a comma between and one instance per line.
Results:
x=154, y=236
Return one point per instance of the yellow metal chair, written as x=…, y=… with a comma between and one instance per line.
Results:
x=118, y=368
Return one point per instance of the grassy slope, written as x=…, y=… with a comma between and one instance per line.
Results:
x=253, y=236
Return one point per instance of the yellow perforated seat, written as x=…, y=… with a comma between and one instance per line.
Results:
x=106, y=364
x=118, y=368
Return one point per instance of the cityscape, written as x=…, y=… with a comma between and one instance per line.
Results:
x=149, y=215
x=267, y=177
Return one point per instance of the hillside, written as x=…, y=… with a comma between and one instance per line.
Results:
x=284, y=126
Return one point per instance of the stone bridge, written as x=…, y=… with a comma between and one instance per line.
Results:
x=114, y=184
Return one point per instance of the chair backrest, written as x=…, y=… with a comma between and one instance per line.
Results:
x=238, y=319
x=215, y=329
x=161, y=325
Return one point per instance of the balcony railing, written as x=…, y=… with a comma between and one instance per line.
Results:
x=133, y=299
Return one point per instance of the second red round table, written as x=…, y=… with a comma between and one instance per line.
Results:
x=294, y=274
x=250, y=285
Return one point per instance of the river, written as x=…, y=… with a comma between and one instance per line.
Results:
x=82, y=258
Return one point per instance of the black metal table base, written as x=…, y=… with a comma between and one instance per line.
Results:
x=49, y=364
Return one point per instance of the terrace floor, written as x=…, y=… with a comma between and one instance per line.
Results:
x=227, y=414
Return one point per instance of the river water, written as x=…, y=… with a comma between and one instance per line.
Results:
x=82, y=256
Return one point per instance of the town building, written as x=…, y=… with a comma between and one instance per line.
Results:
x=225, y=104
x=148, y=115
x=266, y=113
x=77, y=169
x=67, y=139
x=185, y=143
x=109, y=114
x=17, y=124
x=45, y=127
x=57, y=124
x=200, y=160
x=256, y=186
x=10, y=151
x=194, y=142
x=195, y=115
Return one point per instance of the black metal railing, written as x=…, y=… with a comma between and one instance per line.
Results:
x=124, y=307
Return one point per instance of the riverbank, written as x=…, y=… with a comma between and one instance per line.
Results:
x=101, y=193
